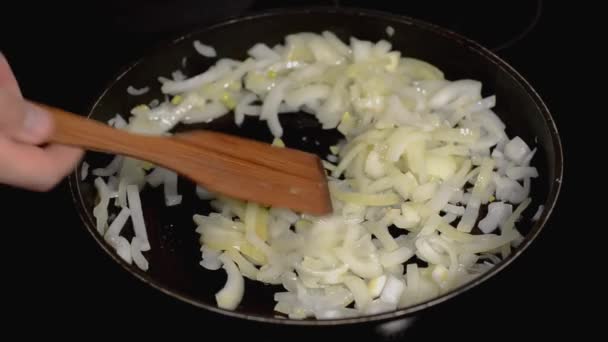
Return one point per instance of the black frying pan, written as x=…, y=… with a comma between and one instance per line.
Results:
x=175, y=255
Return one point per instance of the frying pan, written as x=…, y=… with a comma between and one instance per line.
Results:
x=174, y=257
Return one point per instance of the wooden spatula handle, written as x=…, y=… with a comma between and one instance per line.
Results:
x=75, y=130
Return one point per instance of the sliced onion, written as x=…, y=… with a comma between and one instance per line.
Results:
x=111, y=169
x=359, y=290
x=210, y=259
x=137, y=217
x=396, y=257
x=137, y=246
x=517, y=150
x=498, y=212
x=84, y=171
x=117, y=122
x=214, y=73
x=136, y=92
x=521, y=172
x=156, y=177
x=123, y=249
x=270, y=108
x=247, y=268
x=230, y=296
x=116, y=226
x=204, y=50
x=263, y=52
x=177, y=75
x=538, y=213
x=170, y=187
x=244, y=107
x=470, y=215
x=392, y=290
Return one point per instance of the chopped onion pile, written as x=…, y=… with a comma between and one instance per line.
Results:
x=422, y=157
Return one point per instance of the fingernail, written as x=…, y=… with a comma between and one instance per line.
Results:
x=37, y=122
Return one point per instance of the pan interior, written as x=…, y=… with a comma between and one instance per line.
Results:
x=175, y=255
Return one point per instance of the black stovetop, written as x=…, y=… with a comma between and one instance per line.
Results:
x=55, y=270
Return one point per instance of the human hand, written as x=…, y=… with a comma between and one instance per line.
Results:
x=24, y=161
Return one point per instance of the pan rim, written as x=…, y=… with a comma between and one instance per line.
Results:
x=550, y=203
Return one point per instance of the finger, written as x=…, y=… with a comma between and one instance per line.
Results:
x=36, y=168
x=7, y=78
x=24, y=121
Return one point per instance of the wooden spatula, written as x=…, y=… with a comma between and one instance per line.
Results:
x=224, y=164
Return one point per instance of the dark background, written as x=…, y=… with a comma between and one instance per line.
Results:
x=64, y=54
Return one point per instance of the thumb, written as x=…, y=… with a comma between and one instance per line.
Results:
x=23, y=121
